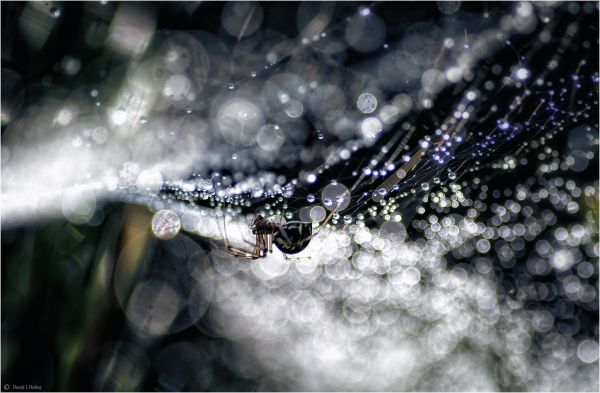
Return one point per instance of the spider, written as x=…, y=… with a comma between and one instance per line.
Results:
x=290, y=237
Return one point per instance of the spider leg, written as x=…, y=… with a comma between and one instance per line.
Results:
x=240, y=253
x=295, y=258
x=245, y=254
x=236, y=251
x=262, y=245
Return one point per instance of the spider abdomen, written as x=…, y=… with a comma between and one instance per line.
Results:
x=293, y=237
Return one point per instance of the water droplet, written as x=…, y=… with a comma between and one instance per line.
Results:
x=310, y=198
x=55, y=12
x=364, y=11
x=320, y=135
x=522, y=73
x=425, y=186
x=234, y=156
x=366, y=103
x=231, y=86
x=188, y=110
x=400, y=173
x=503, y=124
x=119, y=116
x=253, y=74
x=382, y=191
x=143, y=120
x=165, y=224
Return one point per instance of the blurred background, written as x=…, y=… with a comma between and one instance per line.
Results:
x=455, y=144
